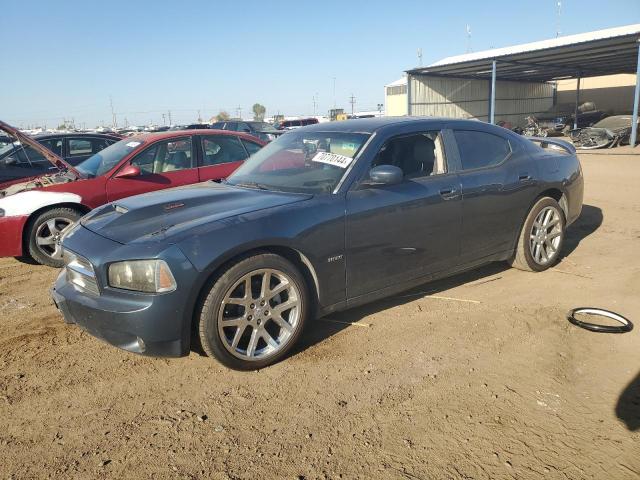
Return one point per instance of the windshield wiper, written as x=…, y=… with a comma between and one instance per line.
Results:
x=257, y=185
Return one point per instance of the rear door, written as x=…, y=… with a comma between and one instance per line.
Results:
x=498, y=182
x=164, y=164
x=220, y=155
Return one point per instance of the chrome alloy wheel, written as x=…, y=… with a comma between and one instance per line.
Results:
x=546, y=235
x=259, y=314
x=49, y=236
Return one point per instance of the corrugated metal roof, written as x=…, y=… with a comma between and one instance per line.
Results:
x=602, y=52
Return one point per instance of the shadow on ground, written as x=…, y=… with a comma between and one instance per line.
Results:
x=589, y=221
x=628, y=407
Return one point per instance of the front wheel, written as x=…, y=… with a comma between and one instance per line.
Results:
x=44, y=235
x=541, y=237
x=254, y=313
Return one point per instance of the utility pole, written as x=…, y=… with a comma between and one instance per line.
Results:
x=314, y=104
x=558, y=12
x=114, y=122
x=164, y=121
x=419, y=57
x=239, y=112
x=170, y=123
x=468, y=38
x=199, y=117
x=352, y=101
x=334, y=93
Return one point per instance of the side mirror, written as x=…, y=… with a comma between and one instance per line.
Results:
x=128, y=172
x=385, y=175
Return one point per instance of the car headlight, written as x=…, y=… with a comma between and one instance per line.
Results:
x=149, y=276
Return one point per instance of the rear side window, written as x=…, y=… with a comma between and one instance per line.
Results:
x=480, y=149
x=165, y=157
x=79, y=146
x=219, y=149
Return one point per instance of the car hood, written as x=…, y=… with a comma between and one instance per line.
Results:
x=55, y=160
x=159, y=215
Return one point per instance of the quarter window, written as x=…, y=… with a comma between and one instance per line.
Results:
x=53, y=144
x=164, y=157
x=251, y=147
x=480, y=149
x=222, y=149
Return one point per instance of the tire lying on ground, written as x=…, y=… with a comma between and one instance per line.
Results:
x=541, y=237
x=254, y=313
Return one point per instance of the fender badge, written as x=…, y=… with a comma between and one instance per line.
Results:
x=172, y=206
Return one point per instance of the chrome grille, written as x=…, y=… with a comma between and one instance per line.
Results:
x=80, y=273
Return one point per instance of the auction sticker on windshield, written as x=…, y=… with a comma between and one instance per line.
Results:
x=133, y=144
x=334, y=159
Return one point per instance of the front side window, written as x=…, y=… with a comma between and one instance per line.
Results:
x=303, y=162
x=165, y=156
x=53, y=144
x=480, y=149
x=417, y=155
x=218, y=149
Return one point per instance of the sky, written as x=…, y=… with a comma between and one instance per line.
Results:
x=70, y=59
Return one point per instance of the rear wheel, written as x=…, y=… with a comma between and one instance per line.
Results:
x=45, y=235
x=541, y=237
x=254, y=313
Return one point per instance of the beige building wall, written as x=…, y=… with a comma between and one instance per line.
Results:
x=395, y=105
x=611, y=93
x=464, y=98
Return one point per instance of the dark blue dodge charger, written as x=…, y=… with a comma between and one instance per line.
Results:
x=322, y=219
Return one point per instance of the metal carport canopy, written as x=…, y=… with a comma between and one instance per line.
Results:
x=591, y=54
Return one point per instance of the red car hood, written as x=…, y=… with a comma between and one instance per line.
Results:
x=46, y=153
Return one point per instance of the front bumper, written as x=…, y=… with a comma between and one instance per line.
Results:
x=156, y=325
x=11, y=230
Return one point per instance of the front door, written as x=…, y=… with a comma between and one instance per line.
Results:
x=401, y=232
x=165, y=164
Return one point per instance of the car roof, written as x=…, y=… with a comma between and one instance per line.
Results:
x=40, y=136
x=370, y=125
x=153, y=136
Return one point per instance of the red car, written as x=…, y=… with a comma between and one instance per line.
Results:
x=35, y=214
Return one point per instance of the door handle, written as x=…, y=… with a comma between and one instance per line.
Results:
x=449, y=193
x=524, y=177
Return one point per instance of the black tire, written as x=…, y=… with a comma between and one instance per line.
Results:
x=42, y=254
x=212, y=309
x=523, y=258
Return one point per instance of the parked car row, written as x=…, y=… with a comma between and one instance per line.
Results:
x=34, y=214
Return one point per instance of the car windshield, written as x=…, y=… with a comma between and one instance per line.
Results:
x=614, y=122
x=300, y=161
x=262, y=127
x=102, y=162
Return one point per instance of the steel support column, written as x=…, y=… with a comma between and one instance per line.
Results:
x=575, y=114
x=492, y=105
x=636, y=98
x=408, y=94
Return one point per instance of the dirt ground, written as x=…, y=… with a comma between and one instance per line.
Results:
x=479, y=376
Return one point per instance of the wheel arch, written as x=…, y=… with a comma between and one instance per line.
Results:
x=294, y=255
x=558, y=195
x=33, y=215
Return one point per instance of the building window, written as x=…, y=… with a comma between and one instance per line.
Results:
x=397, y=90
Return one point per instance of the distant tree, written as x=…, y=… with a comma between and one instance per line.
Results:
x=258, y=112
x=222, y=116
x=62, y=126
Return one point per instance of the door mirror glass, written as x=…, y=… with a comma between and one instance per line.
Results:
x=385, y=175
x=128, y=172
